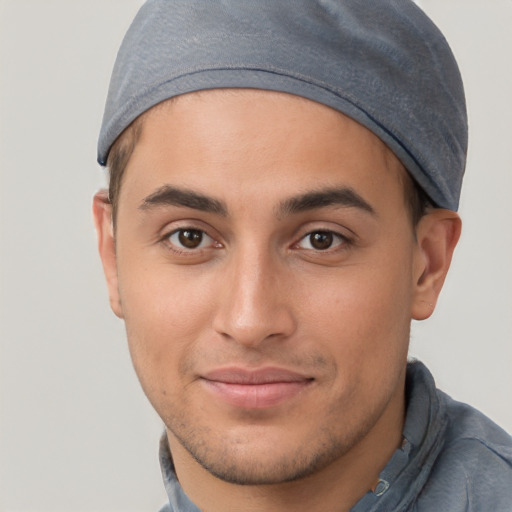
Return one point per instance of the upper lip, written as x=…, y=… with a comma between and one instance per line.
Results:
x=267, y=375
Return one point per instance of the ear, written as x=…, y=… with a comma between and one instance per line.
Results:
x=437, y=235
x=102, y=212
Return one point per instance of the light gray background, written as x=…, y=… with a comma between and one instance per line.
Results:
x=76, y=433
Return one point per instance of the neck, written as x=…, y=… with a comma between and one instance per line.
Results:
x=337, y=486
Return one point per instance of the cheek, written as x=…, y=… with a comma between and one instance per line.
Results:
x=165, y=315
x=362, y=314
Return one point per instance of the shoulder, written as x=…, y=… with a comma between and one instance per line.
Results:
x=473, y=438
x=473, y=471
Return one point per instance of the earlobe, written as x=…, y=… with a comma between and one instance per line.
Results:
x=437, y=235
x=102, y=213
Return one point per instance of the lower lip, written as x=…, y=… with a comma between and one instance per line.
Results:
x=256, y=396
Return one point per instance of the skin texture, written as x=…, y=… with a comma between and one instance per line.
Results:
x=325, y=289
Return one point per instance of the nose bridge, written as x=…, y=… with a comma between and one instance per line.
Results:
x=254, y=305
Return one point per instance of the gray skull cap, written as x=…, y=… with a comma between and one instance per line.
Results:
x=381, y=62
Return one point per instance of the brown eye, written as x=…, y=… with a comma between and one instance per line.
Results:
x=189, y=238
x=322, y=241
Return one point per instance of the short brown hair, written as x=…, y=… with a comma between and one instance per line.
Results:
x=118, y=157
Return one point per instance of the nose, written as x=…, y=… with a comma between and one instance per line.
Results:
x=255, y=300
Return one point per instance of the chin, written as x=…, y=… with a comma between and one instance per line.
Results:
x=278, y=459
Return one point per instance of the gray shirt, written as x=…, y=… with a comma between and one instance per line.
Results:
x=453, y=459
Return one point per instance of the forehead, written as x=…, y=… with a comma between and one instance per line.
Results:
x=200, y=138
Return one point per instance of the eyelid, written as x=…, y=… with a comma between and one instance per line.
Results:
x=326, y=227
x=342, y=239
x=201, y=245
x=176, y=227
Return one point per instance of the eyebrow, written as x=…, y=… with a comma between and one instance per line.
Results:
x=168, y=195
x=339, y=196
x=173, y=196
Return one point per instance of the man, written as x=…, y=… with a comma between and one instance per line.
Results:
x=283, y=185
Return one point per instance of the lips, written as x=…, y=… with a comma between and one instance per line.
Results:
x=254, y=389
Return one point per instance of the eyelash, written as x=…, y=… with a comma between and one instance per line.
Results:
x=343, y=242
x=175, y=248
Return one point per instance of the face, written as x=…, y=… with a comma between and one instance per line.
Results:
x=266, y=270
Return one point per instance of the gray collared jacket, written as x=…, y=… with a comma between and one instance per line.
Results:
x=453, y=459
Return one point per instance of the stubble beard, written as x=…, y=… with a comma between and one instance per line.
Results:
x=233, y=462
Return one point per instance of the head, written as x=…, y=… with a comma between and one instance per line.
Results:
x=270, y=247
x=261, y=232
